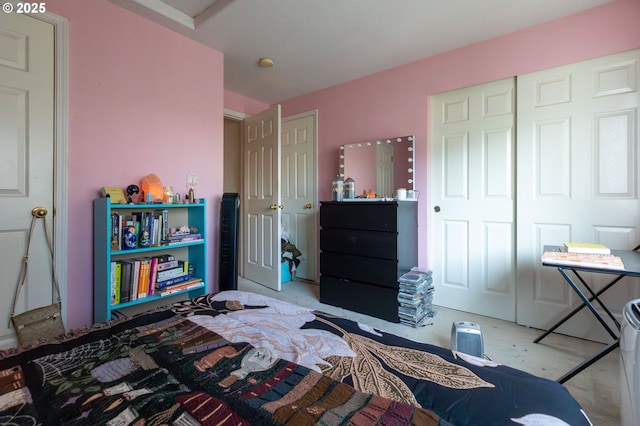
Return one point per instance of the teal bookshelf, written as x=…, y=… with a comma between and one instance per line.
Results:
x=195, y=252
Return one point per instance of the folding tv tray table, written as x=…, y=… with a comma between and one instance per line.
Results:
x=631, y=260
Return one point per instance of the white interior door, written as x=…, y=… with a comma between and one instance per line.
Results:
x=384, y=170
x=298, y=189
x=262, y=211
x=472, y=196
x=26, y=159
x=577, y=181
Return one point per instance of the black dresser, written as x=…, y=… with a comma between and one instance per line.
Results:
x=364, y=247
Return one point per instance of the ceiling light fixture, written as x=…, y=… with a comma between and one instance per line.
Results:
x=265, y=62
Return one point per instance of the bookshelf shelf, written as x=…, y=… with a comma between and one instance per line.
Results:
x=193, y=252
x=156, y=297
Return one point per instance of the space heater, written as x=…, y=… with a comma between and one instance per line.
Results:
x=466, y=337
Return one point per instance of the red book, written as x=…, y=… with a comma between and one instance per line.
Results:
x=152, y=275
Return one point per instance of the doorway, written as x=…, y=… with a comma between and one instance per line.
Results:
x=298, y=177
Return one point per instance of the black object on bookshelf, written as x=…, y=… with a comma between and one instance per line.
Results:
x=111, y=256
x=229, y=231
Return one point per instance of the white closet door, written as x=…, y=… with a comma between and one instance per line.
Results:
x=26, y=160
x=472, y=199
x=577, y=162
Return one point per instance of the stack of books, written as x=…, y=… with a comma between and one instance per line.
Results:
x=173, y=276
x=181, y=238
x=415, y=297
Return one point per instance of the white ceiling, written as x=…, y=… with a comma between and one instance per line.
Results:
x=320, y=43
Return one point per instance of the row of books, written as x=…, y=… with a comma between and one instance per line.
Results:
x=146, y=229
x=139, y=229
x=140, y=277
x=415, y=297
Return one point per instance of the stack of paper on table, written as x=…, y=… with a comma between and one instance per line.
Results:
x=599, y=261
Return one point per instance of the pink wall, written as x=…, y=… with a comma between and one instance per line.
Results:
x=395, y=102
x=239, y=103
x=142, y=99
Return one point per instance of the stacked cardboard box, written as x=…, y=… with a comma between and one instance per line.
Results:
x=415, y=297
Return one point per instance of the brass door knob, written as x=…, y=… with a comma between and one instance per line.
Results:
x=39, y=212
x=273, y=206
x=308, y=206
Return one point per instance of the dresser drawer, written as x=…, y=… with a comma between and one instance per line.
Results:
x=373, y=216
x=379, y=302
x=382, y=272
x=363, y=243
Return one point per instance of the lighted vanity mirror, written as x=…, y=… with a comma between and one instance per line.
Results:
x=382, y=165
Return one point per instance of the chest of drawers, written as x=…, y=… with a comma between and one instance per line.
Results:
x=364, y=248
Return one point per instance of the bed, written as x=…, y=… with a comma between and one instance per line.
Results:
x=238, y=358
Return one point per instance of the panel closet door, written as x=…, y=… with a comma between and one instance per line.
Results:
x=472, y=195
x=577, y=180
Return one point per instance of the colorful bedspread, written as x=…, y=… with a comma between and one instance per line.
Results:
x=238, y=358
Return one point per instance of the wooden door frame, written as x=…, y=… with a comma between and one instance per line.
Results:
x=239, y=116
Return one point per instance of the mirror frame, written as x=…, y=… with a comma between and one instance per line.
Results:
x=410, y=181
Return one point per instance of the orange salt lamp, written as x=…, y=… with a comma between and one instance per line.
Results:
x=152, y=187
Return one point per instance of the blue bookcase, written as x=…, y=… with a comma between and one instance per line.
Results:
x=194, y=252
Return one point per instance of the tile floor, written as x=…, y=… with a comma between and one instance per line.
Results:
x=597, y=388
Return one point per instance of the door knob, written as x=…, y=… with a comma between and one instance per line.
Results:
x=308, y=206
x=437, y=209
x=273, y=206
x=39, y=212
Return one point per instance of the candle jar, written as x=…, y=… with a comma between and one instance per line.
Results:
x=168, y=194
x=349, y=188
x=337, y=185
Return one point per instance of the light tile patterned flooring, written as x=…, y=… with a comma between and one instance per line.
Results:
x=597, y=388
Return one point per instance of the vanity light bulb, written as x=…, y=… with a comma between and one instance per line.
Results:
x=410, y=160
x=410, y=181
x=388, y=140
x=342, y=147
x=399, y=140
x=342, y=166
x=368, y=143
x=341, y=156
x=359, y=145
x=410, y=170
x=378, y=142
x=410, y=148
x=410, y=138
